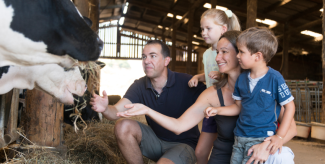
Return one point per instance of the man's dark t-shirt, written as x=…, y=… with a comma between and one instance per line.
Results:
x=174, y=100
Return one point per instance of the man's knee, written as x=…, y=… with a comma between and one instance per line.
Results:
x=286, y=157
x=126, y=128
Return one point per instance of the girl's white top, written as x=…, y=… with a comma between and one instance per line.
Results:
x=210, y=64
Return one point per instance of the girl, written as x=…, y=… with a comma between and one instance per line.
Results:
x=214, y=23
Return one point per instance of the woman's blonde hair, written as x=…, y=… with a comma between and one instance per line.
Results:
x=221, y=18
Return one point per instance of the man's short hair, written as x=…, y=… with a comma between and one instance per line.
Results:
x=164, y=48
x=259, y=39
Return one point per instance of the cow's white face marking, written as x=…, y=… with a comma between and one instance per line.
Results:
x=50, y=78
x=16, y=49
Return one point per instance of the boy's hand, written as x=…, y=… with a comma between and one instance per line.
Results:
x=210, y=111
x=193, y=82
x=276, y=143
x=214, y=75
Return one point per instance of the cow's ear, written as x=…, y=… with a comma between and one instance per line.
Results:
x=88, y=21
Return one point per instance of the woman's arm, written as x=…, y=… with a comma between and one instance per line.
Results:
x=190, y=118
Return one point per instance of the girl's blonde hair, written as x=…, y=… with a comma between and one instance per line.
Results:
x=221, y=18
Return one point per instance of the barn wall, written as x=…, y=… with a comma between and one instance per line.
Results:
x=300, y=66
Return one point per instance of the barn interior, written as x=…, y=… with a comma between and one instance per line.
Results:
x=126, y=25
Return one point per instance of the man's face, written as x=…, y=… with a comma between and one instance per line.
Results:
x=153, y=60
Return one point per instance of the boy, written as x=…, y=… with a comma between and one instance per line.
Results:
x=259, y=94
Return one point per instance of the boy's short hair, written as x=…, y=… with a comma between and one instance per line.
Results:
x=259, y=39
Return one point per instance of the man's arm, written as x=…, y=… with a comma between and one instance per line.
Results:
x=100, y=105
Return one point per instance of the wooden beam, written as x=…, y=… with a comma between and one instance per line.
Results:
x=213, y=4
x=117, y=17
x=323, y=66
x=174, y=44
x=285, y=56
x=303, y=27
x=112, y=6
x=303, y=13
x=189, y=38
x=141, y=17
x=194, y=6
x=251, y=13
x=272, y=7
x=153, y=34
x=150, y=7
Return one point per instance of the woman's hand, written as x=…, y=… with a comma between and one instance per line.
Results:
x=260, y=154
x=210, y=111
x=134, y=110
x=276, y=143
x=214, y=75
x=193, y=82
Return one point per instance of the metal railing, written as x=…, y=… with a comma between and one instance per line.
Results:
x=308, y=100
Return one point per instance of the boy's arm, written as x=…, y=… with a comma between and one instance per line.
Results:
x=278, y=139
x=231, y=110
x=289, y=111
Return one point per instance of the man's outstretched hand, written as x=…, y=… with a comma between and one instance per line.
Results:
x=98, y=103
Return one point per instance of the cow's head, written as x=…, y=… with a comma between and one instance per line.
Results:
x=50, y=78
x=45, y=31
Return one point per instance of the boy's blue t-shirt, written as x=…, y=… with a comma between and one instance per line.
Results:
x=260, y=108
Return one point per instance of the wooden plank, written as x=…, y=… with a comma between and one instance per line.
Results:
x=83, y=7
x=213, y=3
x=303, y=129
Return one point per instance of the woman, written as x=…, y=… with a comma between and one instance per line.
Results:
x=218, y=95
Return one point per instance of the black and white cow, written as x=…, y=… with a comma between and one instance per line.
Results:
x=34, y=32
x=51, y=78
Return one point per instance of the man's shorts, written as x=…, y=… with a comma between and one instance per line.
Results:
x=154, y=148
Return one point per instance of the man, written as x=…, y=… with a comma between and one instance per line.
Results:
x=166, y=92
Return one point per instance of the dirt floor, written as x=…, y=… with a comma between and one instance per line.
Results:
x=307, y=152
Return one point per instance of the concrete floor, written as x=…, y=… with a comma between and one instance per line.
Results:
x=307, y=152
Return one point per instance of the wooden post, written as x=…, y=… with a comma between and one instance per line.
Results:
x=93, y=81
x=213, y=4
x=323, y=59
x=190, y=38
x=42, y=118
x=174, y=44
x=118, y=41
x=83, y=7
x=163, y=34
x=94, y=14
x=251, y=13
x=285, y=55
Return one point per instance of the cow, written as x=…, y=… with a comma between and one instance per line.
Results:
x=35, y=32
x=51, y=78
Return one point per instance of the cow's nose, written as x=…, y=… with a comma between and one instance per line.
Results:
x=85, y=87
x=100, y=44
